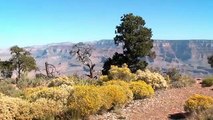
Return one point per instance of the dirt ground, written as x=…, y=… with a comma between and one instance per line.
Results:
x=163, y=105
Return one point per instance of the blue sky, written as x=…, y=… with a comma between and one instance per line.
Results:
x=36, y=22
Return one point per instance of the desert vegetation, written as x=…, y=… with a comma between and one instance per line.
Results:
x=125, y=79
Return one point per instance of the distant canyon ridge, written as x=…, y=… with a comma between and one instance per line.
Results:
x=189, y=56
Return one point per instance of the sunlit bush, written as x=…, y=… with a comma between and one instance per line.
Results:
x=115, y=96
x=14, y=108
x=122, y=73
x=61, y=81
x=117, y=82
x=59, y=94
x=197, y=103
x=46, y=109
x=104, y=78
x=156, y=80
x=85, y=100
x=124, y=85
x=19, y=109
x=141, y=90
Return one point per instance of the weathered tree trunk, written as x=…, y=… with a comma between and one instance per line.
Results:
x=50, y=70
x=47, y=70
x=91, y=70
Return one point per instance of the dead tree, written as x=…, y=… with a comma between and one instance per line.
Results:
x=50, y=70
x=83, y=53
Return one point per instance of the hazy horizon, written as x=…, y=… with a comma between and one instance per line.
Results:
x=61, y=42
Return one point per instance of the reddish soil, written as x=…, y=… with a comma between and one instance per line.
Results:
x=160, y=107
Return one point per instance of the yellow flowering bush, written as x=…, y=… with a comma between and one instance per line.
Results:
x=117, y=82
x=197, y=103
x=85, y=100
x=124, y=85
x=122, y=73
x=104, y=78
x=46, y=108
x=59, y=94
x=29, y=91
x=141, y=90
x=114, y=96
x=61, y=81
x=156, y=80
x=14, y=108
x=18, y=109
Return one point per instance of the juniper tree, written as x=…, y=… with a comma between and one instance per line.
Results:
x=136, y=41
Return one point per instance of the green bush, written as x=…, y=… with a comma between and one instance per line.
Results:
x=183, y=81
x=197, y=103
x=10, y=89
x=174, y=74
x=207, y=82
x=25, y=82
x=141, y=90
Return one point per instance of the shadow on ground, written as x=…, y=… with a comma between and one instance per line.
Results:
x=178, y=116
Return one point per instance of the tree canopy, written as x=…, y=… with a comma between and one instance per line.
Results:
x=22, y=60
x=136, y=41
x=6, y=69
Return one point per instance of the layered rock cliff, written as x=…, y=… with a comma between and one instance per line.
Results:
x=190, y=56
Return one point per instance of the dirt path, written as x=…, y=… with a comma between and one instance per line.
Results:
x=159, y=107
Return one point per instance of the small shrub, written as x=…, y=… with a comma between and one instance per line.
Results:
x=124, y=85
x=85, y=100
x=104, y=78
x=9, y=89
x=174, y=74
x=207, y=82
x=141, y=90
x=78, y=80
x=183, y=81
x=46, y=109
x=117, y=82
x=19, y=109
x=156, y=80
x=25, y=82
x=197, y=103
x=59, y=94
x=204, y=115
x=114, y=96
x=14, y=108
x=61, y=81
